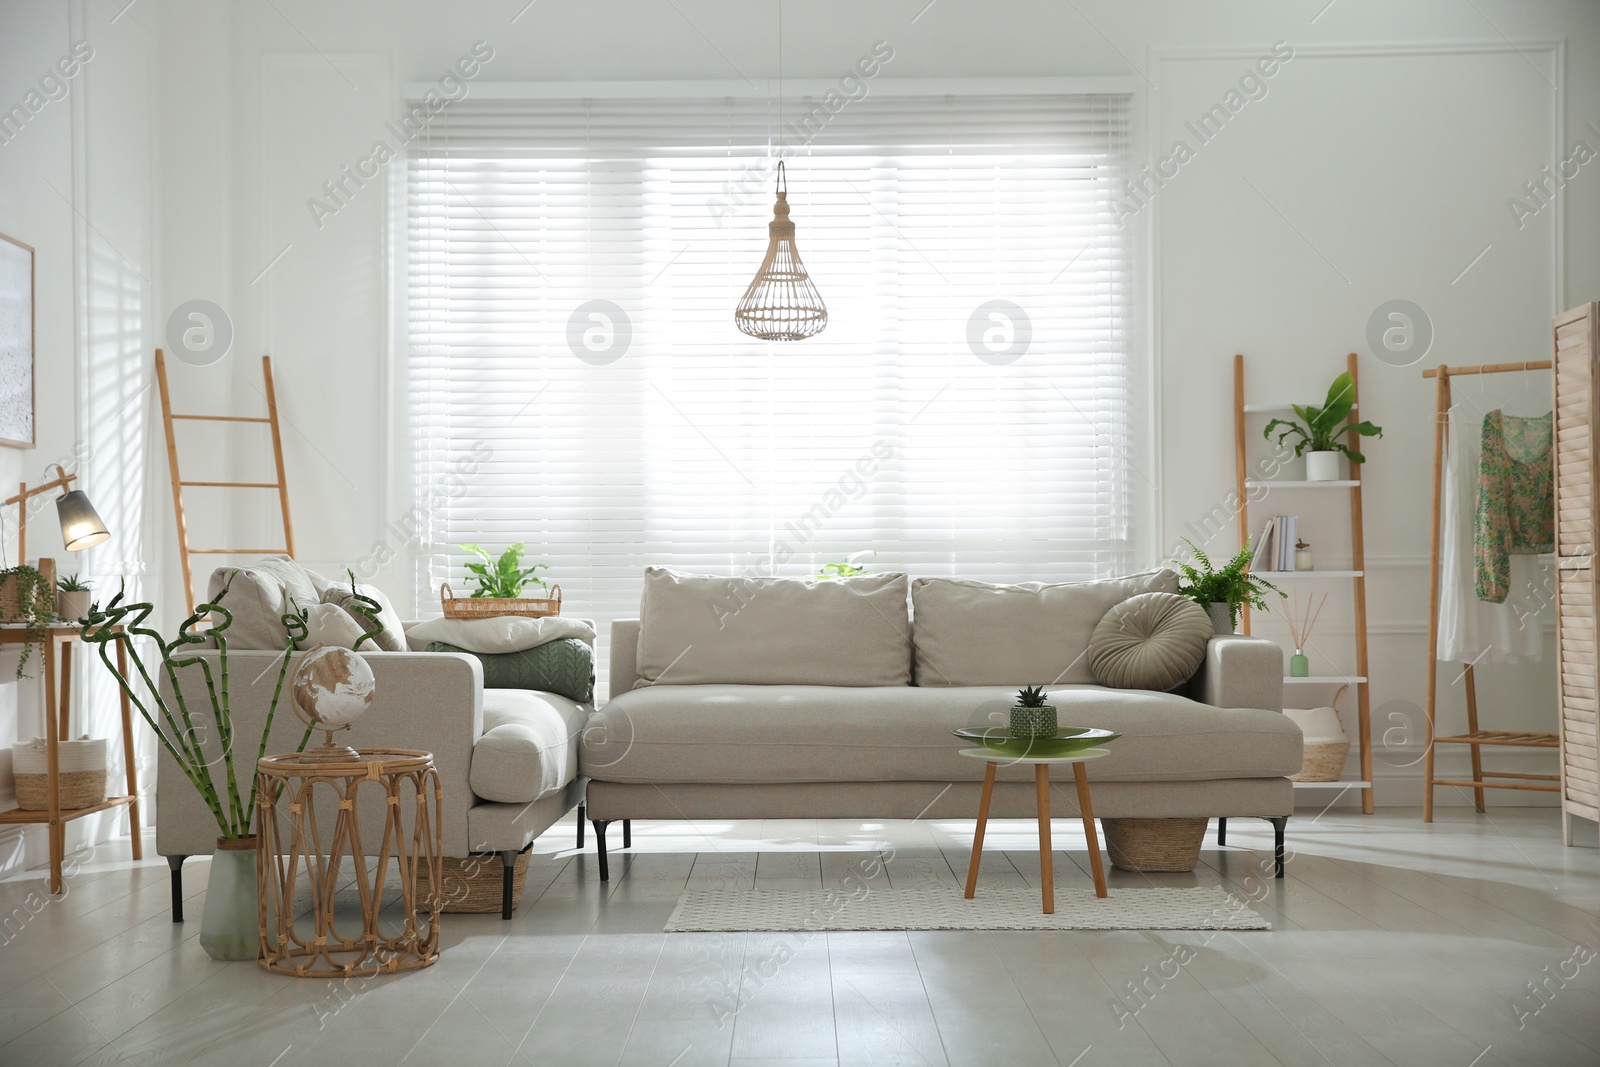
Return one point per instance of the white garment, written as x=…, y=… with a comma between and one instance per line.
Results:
x=1473, y=630
x=502, y=633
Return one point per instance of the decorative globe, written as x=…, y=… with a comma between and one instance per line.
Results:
x=332, y=687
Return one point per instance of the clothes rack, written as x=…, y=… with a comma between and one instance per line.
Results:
x=1474, y=738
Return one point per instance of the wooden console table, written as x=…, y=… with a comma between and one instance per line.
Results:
x=54, y=646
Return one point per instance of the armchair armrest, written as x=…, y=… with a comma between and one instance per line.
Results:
x=1240, y=672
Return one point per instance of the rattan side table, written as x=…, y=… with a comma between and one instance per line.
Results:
x=299, y=854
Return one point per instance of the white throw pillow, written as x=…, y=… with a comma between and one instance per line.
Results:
x=329, y=624
x=392, y=638
x=975, y=633
x=700, y=629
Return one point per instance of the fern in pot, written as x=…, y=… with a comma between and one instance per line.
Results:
x=1223, y=592
x=1319, y=432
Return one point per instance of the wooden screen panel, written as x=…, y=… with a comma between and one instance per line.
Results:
x=1574, y=339
x=1574, y=447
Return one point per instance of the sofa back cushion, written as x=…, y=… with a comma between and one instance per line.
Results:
x=702, y=630
x=974, y=633
x=259, y=595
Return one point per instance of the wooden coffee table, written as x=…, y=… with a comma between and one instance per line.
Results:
x=1041, y=775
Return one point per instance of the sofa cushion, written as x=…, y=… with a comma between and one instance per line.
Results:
x=330, y=624
x=528, y=749
x=974, y=633
x=564, y=667
x=391, y=638
x=698, y=629
x=259, y=595
x=1150, y=641
x=776, y=734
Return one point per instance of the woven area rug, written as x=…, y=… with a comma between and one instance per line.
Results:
x=940, y=907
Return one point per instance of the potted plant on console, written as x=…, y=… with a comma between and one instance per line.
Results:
x=1223, y=592
x=27, y=596
x=72, y=597
x=1319, y=431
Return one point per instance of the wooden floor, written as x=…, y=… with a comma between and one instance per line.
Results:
x=1467, y=943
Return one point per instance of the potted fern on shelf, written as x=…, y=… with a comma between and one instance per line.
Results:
x=1319, y=431
x=1223, y=592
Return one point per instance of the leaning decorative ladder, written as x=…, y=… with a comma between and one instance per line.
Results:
x=185, y=550
x=1356, y=575
x=1474, y=738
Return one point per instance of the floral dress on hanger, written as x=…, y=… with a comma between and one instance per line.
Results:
x=1516, y=498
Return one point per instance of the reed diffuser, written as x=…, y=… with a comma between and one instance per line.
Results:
x=1300, y=624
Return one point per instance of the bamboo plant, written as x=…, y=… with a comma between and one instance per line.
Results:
x=177, y=727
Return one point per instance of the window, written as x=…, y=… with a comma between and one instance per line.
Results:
x=576, y=380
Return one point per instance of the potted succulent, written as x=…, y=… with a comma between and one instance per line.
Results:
x=1032, y=716
x=502, y=577
x=72, y=597
x=27, y=596
x=1222, y=592
x=1319, y=431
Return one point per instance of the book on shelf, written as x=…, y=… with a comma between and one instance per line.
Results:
x=1264, y=547
x=1274, y=548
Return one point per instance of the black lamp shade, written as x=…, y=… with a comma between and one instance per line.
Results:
x=80, y=524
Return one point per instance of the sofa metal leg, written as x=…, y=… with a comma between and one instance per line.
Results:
x=627, y=833
x=176, y=863
x=1222, y=832
x=600, y=847
x=508, y=879
x=1279, y=824
x=583, y=817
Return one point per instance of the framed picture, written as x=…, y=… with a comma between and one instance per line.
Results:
x=16, y=343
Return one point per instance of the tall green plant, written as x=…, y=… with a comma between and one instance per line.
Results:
x=174, y=724
x=502, y=577
x=1323, y=429
x=1233, y=585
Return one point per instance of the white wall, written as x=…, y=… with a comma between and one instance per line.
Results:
x=77, y=183
x=1377, y=167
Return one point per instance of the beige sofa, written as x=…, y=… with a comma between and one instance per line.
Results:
x=712, y=716
x=507, y=758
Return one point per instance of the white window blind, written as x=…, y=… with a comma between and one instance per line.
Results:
x=703, y=449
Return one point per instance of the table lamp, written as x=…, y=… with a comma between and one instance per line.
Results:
x=81, y=525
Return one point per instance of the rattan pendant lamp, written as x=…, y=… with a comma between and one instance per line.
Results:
x=781, y=303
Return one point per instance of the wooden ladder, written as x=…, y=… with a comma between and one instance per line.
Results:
x=185, y=550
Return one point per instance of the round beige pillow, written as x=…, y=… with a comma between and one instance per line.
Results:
x=1150, y=641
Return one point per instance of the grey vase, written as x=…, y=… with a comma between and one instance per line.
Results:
x=1221, y=617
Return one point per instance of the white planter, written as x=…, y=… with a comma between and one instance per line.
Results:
x=1322, y=466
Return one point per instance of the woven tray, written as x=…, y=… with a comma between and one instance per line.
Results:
x=1154, y=844
x=474, y=884
x=79, y=789
x=483, y=607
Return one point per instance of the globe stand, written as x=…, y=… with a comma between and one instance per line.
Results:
x=328, y=752
x=324, y=673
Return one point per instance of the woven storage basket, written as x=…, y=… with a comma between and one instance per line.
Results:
x=1154, y=844
x=82, y=774
x=483, y=607
x=474, y=884
x=1323, y=759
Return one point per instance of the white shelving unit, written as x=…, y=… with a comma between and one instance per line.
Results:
x=1355, y=575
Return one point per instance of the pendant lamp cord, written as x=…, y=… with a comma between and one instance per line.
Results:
x=780, y=79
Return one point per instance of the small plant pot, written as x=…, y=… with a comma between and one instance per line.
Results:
x=1033, y=722
x=72, y=606
x=1299, y=666
x=1322, y=466
x=1221, y=617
